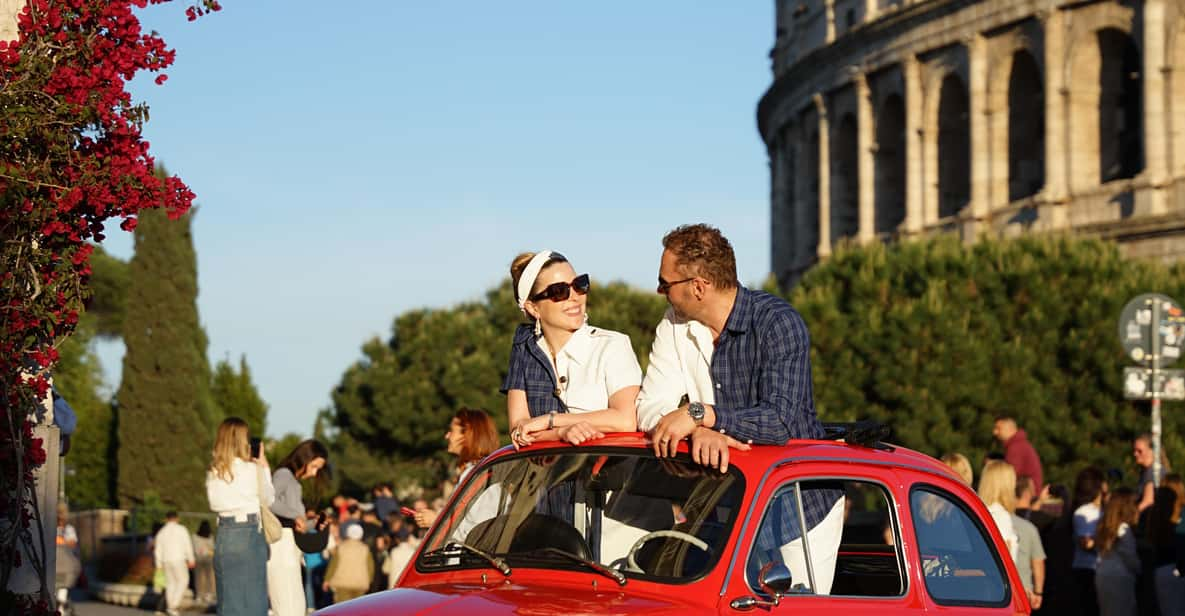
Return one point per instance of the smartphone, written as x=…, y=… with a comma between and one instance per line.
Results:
x=256, y=445
x=407, y=511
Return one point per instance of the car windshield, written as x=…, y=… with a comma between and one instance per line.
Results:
x=590, y=509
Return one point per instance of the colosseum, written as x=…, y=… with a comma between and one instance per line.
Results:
x=891, y=119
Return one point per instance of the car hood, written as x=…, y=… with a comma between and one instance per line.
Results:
x=473, y=599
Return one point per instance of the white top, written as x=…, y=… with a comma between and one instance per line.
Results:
x=172, y=545
x=593, y=365
x=1086, y=520
x=1003, y=521
x=680, y=363
x=239, y=497
x=398, y=560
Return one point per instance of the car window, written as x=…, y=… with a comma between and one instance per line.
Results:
x=854, y=554
x=959, y=562
x=666, y=520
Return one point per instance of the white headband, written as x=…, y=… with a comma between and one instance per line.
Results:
x=526, y=282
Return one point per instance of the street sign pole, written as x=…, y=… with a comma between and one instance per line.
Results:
x=1155, y=334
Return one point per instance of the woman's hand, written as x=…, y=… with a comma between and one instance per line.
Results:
x=425, y=518
x=523, y=434
x=298, y=525
x=262, y=459
x=577, y=433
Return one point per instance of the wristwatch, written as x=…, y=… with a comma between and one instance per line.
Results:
x=696, y=410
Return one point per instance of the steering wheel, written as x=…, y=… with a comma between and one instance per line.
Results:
x=632, y=563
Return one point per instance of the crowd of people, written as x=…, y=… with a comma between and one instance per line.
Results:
x=729, y=369
x=1106, y=548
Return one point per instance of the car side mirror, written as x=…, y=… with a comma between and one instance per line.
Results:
x=775, y=580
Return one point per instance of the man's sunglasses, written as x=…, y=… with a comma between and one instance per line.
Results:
x=664, y=286
x=560, y=291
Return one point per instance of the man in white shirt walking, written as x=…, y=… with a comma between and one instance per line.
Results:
x=173, y=551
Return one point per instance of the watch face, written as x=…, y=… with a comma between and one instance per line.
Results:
x=696, y=410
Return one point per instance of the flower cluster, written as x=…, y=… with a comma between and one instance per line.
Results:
x=71, y=158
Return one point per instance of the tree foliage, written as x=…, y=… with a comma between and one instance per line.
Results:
x=235, y=395
x=937, y=338
x=166, y=413
x=392, y=407
x=71, y=157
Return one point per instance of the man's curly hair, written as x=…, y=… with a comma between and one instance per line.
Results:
x=702, y=250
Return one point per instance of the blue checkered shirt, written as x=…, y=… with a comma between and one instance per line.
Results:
x=761, y=368
x=530, y=370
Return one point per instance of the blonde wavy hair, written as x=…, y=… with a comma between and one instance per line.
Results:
x=961, y=466
x=230, y=443
x=997, y=484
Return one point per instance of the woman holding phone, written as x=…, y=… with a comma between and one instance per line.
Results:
x=285, y=585
x=567, y=380
x=237, y=484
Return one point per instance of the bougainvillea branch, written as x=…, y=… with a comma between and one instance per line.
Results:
x=72, y=157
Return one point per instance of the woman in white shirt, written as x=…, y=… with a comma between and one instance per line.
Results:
x=997, y=489
x=1119, y=564
x=471, y=436
x=236, y=485
x=567, y=380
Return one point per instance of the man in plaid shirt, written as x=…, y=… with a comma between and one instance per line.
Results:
x=730, y=367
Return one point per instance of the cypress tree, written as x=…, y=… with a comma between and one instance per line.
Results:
x=235, y=395
x=165, y=411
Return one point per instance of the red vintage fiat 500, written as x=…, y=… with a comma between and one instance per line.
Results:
x=608, y=528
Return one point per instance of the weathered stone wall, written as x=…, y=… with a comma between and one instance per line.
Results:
x=891, y=119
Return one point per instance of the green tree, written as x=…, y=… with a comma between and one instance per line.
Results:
x=937, y=339
x=78, y=376
x=235, y=395
x=166, y=414
x=392, y=407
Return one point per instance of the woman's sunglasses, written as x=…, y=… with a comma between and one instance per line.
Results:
x=560, y=291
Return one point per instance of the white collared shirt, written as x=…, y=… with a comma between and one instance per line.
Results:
x=593, y=365
x=240, y=496
x=680, y=363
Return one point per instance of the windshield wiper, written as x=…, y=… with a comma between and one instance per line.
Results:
x=455, y=548
x=616, y=575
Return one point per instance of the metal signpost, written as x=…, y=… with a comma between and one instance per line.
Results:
x=1152, y=330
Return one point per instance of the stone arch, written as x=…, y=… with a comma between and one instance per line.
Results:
x=889, y=170
x=1026, y=127
x=1120, y=107
x=845, y=179
x=954, y=146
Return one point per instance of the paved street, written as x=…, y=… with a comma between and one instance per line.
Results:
x=84, y=606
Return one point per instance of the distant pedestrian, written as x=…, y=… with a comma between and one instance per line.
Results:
x=1143, y=455
x=1028, y=507
x=385, y=502
x=351, y=568
x=997, y=488
x=1162, y=523
x=471, y=436
x=203, y=573
x=961, y=466
x=285, y=585
x=172, y=550
x=1018, y=451
x=1089, y=492
x=237, y=485
x=1118, y=564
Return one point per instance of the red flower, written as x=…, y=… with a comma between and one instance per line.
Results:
x=161, y=78
x=128, y=224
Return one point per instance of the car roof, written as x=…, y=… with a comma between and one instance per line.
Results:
x=762, y=457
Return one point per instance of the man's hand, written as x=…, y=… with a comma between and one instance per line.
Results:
x=710, y=448
x=578, y=433
x=298, y=525
x=1034, y=601
x=672, y=428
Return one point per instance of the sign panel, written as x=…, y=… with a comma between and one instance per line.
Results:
x=1136, y=329
x=1137, y=384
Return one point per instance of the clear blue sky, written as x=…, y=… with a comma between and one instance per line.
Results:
x=355, y=160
